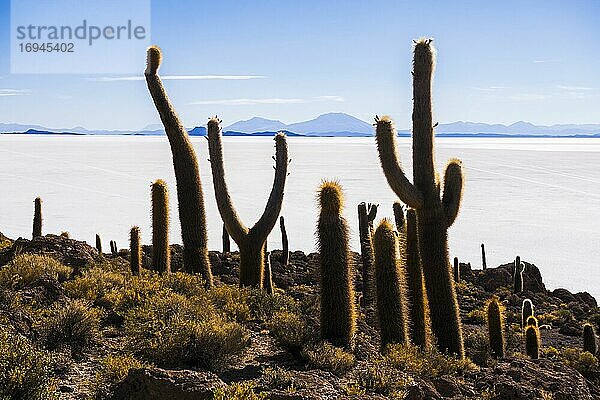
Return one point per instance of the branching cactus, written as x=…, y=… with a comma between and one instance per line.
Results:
x=526, y=312
x=495, y=325
x=338, y=312
x=389, y=276
x=285, y=249
x=417, y=298
x=532, y=342
x=37, y=217
x=435, y=214
x=589, y=339
x=189, y=188
x=98, y=244
x=249, y=240
x=366, y=215
x=161, y=252
x=135, y=250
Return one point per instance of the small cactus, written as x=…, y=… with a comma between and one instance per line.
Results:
x=37, y=218
x=532, y=342
x=189, y=186
x=338, y=315
x=98, y=244
x=483, y=262
x=285, y=250
x=518, y=275
x=526, y=312
x=532, y=321
x=589, y=339
x=161, y=252
x=495, y=324
x=250, y=241
x=268, y=275
x=366, y=215
x=226, y=241
x=389, y=276
x=456, y=270
x=113, y=248
x=135, y=251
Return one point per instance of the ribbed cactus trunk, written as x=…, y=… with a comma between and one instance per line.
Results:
x=390, y=283
x=532, y=342
x=268, y=275
x=417, y=299
x=434, y=214
x=37, y=218
x=526, y=312
x=250, y=241
x=135, y=251
x=518, y=275
x=98, y=244
x=189, y=188
x=366, y=214
x=590, y=343
x=495, y=325
x=161, y=252
x=338, y=315
x=285, y=249
x=483, y=262
x=456, y=270
x=226, y=241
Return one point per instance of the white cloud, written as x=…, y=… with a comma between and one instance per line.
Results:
x=14, y=92
x=574, y=88
x=179, y=78
x=546, y=61
x=330, y=98
x=243, y=102
x=490, y=88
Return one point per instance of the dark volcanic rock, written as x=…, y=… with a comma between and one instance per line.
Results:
x=70, y=252
x=493, y=278
x=160, y=384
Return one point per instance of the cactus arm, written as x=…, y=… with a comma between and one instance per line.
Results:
x=385, y=135
x=269, y=217
x=453, y=186
x=233, y=223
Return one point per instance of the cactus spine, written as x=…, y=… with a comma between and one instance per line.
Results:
x=249, y=240
x=366, y=215
x=189, y=187
x=434, y=214
x=483, y=262
x=456, y=270
x=135, y=250
x=589, y=339
x=338, y=315
x=526, y=312
x=532, y=342
x=495, y=324
x=98, y=244
x=37, y=218
x=417, y=298
x=389, y=278
x=161, y=252
x=226, y=241
x=518, y=275
x=285, y=249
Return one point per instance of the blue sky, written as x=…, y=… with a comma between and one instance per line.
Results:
x=536, y=61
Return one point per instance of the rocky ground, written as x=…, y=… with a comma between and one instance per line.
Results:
x=280, y=372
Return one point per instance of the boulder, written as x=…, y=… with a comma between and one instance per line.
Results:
x=160, y=384
x=493, y=278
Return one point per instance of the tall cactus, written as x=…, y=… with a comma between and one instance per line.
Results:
x=495, y=324
x=526, y=312
x=366, y=215
x=268, y=275
x=135, y=251
x=532, y=342
x=518, y=275
x=589, y=339
x=98, y=244
x=338, y=315
x=434, y=214
x=226, y=241
x=417, y=298
x=161, y=252
x=285, y=249
x=189, y=187
x=483, y=262
x=456, y=270
x=37, y=218
x=249, y=240
x=390, y=283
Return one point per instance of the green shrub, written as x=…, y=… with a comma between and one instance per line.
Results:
x=282, y=379
x=74, y=324
x=578, y=359
x=264, y=306
x=238, y=391
x=381, y=378
x=289, y=329
x=172, y=330
x=426, y=364
x=94, y=284
x=25, y=371
x=113, y=370
x=231, y=300
x=327, y=357
x=25, y=269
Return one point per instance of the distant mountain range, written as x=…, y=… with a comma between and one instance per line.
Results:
x=334, y=124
